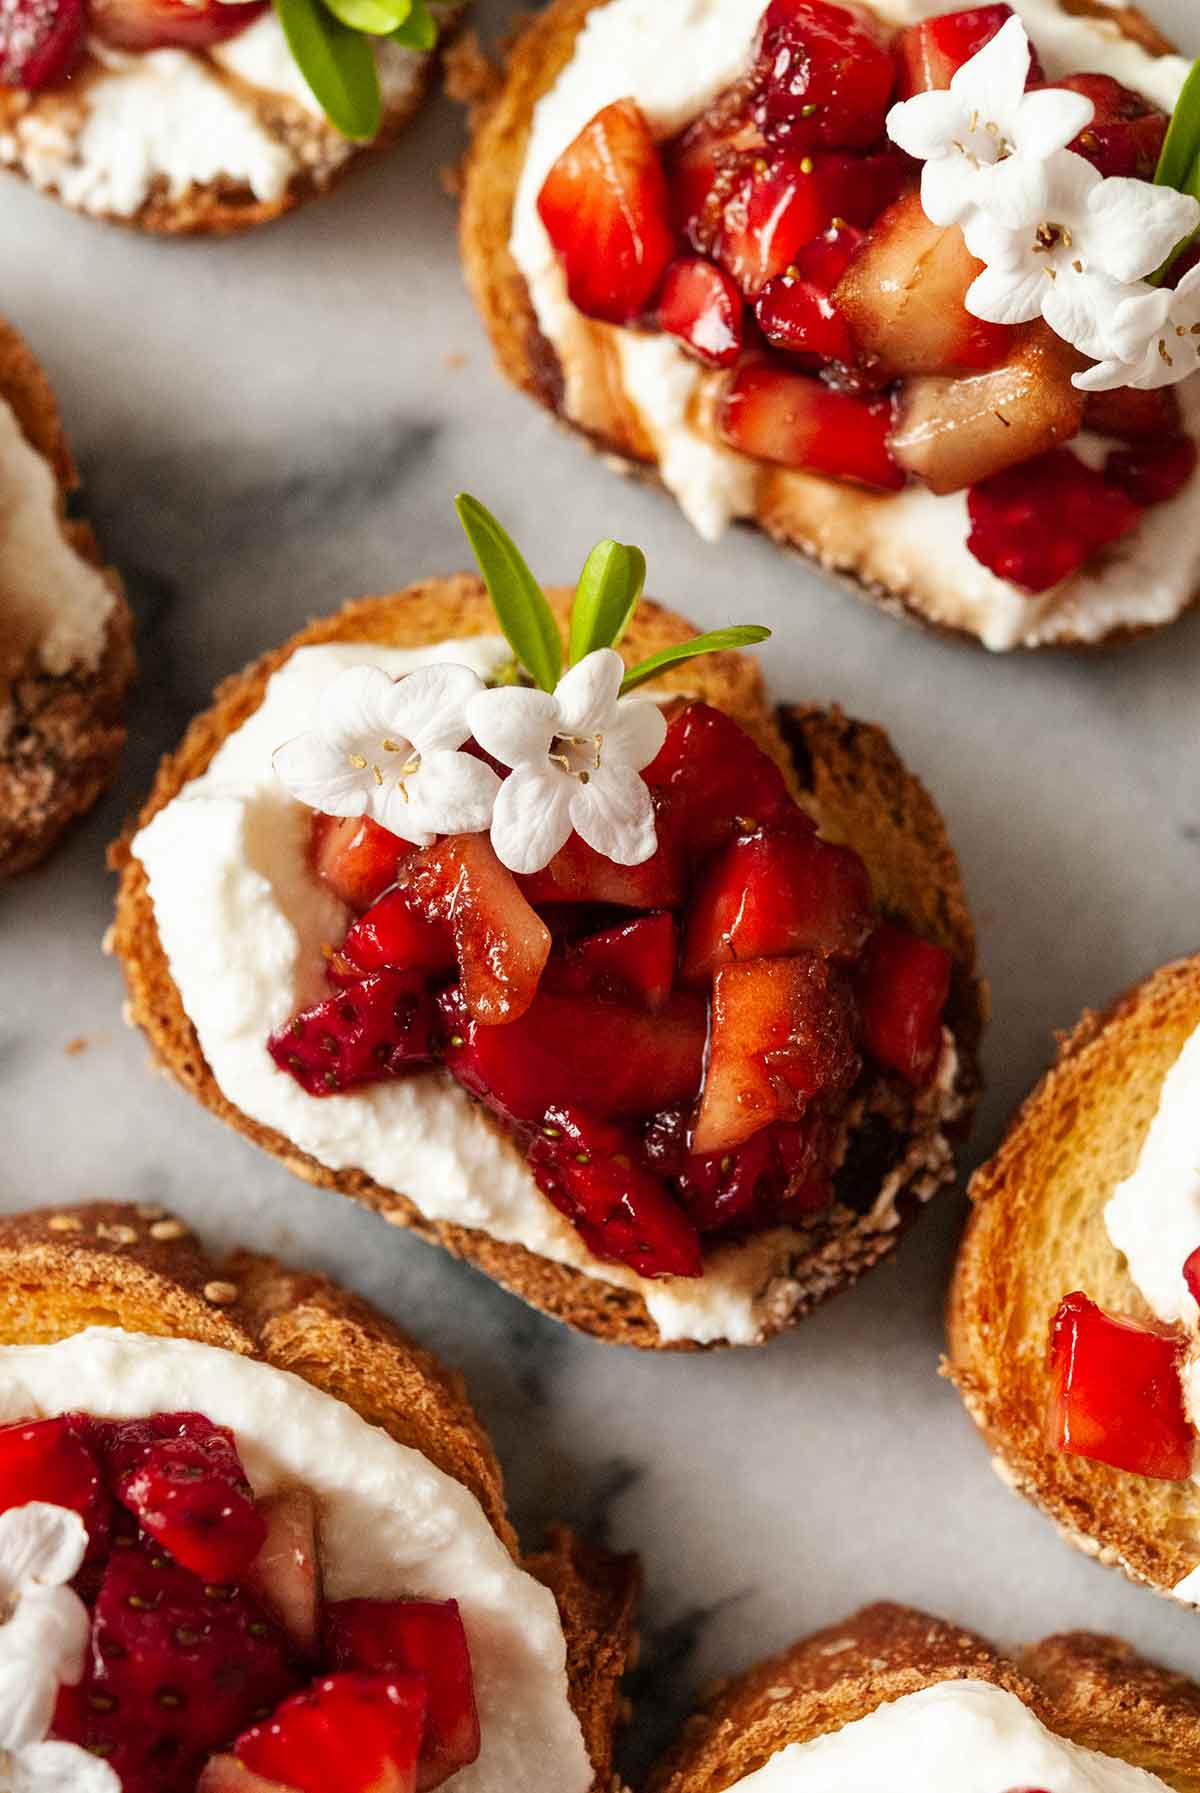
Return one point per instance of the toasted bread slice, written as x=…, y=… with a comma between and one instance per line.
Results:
x=1036, y=1233
x=848, y=774
x=114, y=1264
x=1093, y=1690
x=60, y=735
x=845, y=529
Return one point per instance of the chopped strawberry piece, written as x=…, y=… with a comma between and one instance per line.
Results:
x=715, y=779
x=1152, y=472
x=373, y=1029
x=1126, y=134
x=578, y=874
x=500, y=944
x=41, y=41
x=224, y=1774
x=394, y=935
x=780, y=1174
x=47, y=1459
x=622, y=1211
x=782, y=1033
x=931, y=53
x=355, y=856
x=633, y=962
x=1116, y=1395
x=775, y=415
x=422, y=1637
x=1191, y=1274
x=606, y=209
x=902, y=991
x=352, y=1733
x=827, y=75
x=796, y=310
x=170, y=24
x=780, y=200
x=1133, y=416
x=701, y=306
x=285, y=1575
x=703, y=163
x=1038, y=523
x=777, y=891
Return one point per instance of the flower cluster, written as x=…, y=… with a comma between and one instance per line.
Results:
x=1058, y=240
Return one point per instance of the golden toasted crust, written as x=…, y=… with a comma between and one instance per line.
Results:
x=826, y=521
x=60, y=737
x=113, y=1264
x=849, y=772
x=1037, y=1233
x=1092, y=1690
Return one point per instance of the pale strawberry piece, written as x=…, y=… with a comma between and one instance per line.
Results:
x=350, y=1733
x=1040, y=522
x=422, y=1637
x=827, y=75
x=41, y=41
x=225, y=1774
x=772, y=414
x=1116, y=1395
x=1133, y=416
x=372, y=1029
x=357, y=858
x=578, y=874
x=797, y=311
x=931, y=53
x=286, y=1574
x=606, y=210
x=782, y=1033
x=633, y=962
x=713, y=781
x=902, y=988
x=394, y=934
x=1126, y=133
x=702, y=308
x=49, y=1460
x=500, y=943
x=1152, y=472
x=170, y=24
x=780, y=200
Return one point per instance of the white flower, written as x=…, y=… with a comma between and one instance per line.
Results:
x=1166, y=350
x=985, y=140
x=385, y=748
x=577, y=756
x=44, y=1625
x=55, y=1768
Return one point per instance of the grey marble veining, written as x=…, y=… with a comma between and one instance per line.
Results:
x=270, y=426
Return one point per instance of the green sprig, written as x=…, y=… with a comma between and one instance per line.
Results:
x=518, y=600
x=331, y=41
x=605, y=598
x=715, y=642
x=1179, y=163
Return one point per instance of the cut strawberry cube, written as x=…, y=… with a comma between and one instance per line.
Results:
x=633, y=962
x=606, y=210
x=371, y=1030
x=796, y=310
x=285, y=1575
x=1133, y=416
x=782, y=1033
x=931, y=53
x=902, y=991
x=781, y=200
x=422, y=1637
x=578, y=874
x=351, y=1733
x=394, y=935
x=780, y=1174
x=775, y=415
x=49, y=1460
x=356, y=857
x=41, y=42
x=170, y=24
x=1126, y=133
x=777, y=891
x=827, y=75
x=703, y=163
x=622, y=1212
x=1039, y=523
x=902, y=298
x=701, y=307
x=1116, y=1394
x=1152, y=472
x=500, y=944
x=715, y=781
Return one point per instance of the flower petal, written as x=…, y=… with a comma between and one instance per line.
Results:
x=429, y=706
x=40, y=1545
x=354, y=712
x=53, y=1767
x=453, y=793
x=399, y=814
x=1106, y=376
x=614, y=814
x=928, y=125
x=950, y=187
x=49, y=1626
x=587, y=695
x=1080, y=308
x=992, y=82
x=1005, y=295
x=1138, y=317
x=636, y=733
x=28, y=1692
x=1050, y=119
x=313, y=771
x=993, y=242
x=1132, y=226
x=532, y=817
x=1013, y=192
x=512, y=724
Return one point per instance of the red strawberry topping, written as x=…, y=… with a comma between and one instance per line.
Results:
x=352, y=1733
x=378, y=1027
x=424, y=1637
x=1116, y=1393
x=1126, y=134
x=285, y=1575
x=356, y=857
x=797, y=311
x=633, y=962
x=827, y=75
x=48, y=1460
x=500, y=943
x=394, y=934
x=1191, y=1274
x=701, y=306
x=41, y=41
x=775, y=415
x=931, y=53
x=902, y=991
x=170, y=24
x=1040, y=522
x=1152, y=472
x=1133, y=416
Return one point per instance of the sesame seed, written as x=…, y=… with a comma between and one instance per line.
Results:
x=168, y=1229
x=221, y=1294
x=65, y=1223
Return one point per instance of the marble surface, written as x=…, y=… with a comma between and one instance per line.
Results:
x=269, y=426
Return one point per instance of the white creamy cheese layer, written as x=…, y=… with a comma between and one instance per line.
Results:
x=390, y=1522
x=54, y=605
x=673, y=57
x=954, y=1737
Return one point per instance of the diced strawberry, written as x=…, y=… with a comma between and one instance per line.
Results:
x=633, y=962
x=1126, y=134
x=356, y=857
x=902, y=990
x=1191, y=1274
x=775, y=415
x=170, y=24
x=781, y=199
x=225, y=1774
x=1040, y=522
x=48, y=1460
x=703, y=163
x=827, y=75
x=1133, y=416
x=578, y=874
x=182, y=1479
x=285, y=1575
x=606, y=210
x=701, y=306
x=1116, y=1395
x=373, y=1029
x=352, y=1733
x=41, y=41
x=777, y=891
x=715, y=779
x=500, y=944
x=587, y=1168
x=931, y=53
x=1152, y=472
x=902, y=297
x=782, y=1033
x=394, y=935
x=780, y=1174
x=796, y=310
x=422, y=1637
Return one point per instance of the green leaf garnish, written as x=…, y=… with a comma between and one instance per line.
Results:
x=1181, y=149
x=519, y=601
x=377, y=18
x=419, y=31
x=743, y=635
x=605, y=598
x=338, y=63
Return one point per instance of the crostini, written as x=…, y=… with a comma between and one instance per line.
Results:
x=854, y=1705
x=66, y=635
x=1073, y=1315
x=502, y=1039
x=727, y=240
x=254, y=1540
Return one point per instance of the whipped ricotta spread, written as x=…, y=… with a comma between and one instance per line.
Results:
x=182, y=118
x=242, y=919
x=954, y=1737
x=390, y=1522
x=54, y=604
x=673, y=57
